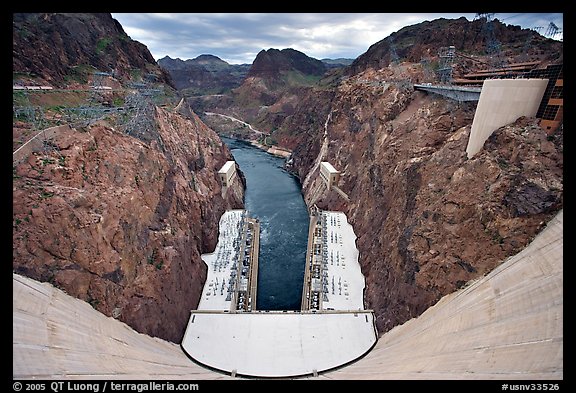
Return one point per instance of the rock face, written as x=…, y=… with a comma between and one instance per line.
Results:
x=267, y=93
x=121, y=223
x=428, y=219
x=276, y=81
x=423, y=40
x=274, y=73
x=205, y=74
x=270, y=64
x=57, y=47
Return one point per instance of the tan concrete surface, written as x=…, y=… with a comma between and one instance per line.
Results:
x=506, y=325
x=58, y=336
x=502, y=101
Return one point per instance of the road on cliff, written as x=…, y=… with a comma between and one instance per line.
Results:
x=236, y=120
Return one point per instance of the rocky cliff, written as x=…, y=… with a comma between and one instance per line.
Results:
x=272, y=63
x=63, y=48
x=204, y=75
x=274, y=84
x=428, y=219
x=121, y=223
x=478, y=38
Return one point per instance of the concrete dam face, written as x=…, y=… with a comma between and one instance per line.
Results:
x=506, y=325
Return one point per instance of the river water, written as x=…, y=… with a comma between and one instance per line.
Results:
x=274, y=196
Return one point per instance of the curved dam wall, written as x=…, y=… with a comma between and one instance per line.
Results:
x=506, y=325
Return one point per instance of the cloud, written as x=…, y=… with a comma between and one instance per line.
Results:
x=238, y=37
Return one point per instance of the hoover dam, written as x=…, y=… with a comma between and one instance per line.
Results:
x=505, y=325
x=412, y=231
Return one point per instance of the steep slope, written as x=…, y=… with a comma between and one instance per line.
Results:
x=205, y=74
x=271, y=64
x=61, y=48
x=115, y=211
x=121, y=223
x=269, y=93
x=274, y=73
x=428, y=220
x=423, y=40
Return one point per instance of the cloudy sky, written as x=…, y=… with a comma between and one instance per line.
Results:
x=238, y=37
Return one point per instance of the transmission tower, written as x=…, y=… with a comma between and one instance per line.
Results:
x=33, y=115
x=446, y=56
x=394, y=58
x=93, y=109
x=552, y=30
x=493, y=46
x=141, y=106
x=426, y=63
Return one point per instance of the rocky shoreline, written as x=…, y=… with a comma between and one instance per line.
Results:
x=274, y=150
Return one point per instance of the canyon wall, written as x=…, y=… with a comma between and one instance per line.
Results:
x=121, y=223
x=428, y=219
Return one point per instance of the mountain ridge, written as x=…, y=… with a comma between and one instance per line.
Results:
x=205, y=74
x=43, y=51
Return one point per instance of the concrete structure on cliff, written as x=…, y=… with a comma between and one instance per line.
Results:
x=333, y=279
x=458, y=93
x=233, y=266
x=227, y=173
x=501, y=102
x=329, y=174
x=505, y=325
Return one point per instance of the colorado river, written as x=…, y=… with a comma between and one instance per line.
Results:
x=274, y=196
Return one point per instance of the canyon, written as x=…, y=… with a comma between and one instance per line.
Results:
x=120, y=222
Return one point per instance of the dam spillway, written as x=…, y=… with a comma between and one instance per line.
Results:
x=228, y=334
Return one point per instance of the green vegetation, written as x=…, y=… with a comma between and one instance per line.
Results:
x=270, y=141
x=24, y=33
x=19, y=98
x=136, y=74
x=19, y=75
x=118, y=101
x=79, y=73
x=46, y=161
x=45, y=194
x=93, y=302
x=152, y=258
x=56, y=108
x=102, y=44
x=300, y=79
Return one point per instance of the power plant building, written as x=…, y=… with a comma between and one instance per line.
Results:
x=227, y=173
x=329, y=174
